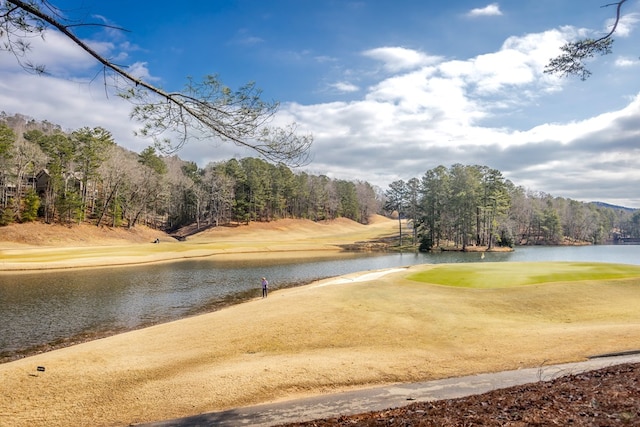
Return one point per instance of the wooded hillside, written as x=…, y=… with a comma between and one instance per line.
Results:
x=83, y=176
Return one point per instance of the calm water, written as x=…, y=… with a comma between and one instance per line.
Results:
x=40, y=310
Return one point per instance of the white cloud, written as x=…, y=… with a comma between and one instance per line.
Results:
x=345, y=87
x=73, y=92
x=490, y=10
x=397, y=59
x=520, y=61
x=140, y=70
x=59, y=55
x=626, y=61
x=69, y=104
x=322, y=59
x=244, y=37
x=432, y=112
x=625, y=25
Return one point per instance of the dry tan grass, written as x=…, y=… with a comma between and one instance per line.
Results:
x=325, y=337
x=329, y=336
x=41, y=246
x=38, y=234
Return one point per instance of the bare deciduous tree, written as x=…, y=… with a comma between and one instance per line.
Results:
x=203, y=110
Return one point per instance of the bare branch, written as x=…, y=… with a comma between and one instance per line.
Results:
x=203, y=110
x=572, y=60
x=617, y=21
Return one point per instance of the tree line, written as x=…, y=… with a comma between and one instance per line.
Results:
x=84, y=176
x=475, y=205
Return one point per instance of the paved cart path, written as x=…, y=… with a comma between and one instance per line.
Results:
x=380, y=398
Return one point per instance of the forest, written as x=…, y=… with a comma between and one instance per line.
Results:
x=476, y=206
x=56, y=176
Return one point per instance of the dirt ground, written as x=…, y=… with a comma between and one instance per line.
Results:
x=38, y=234
x=356, y=331
x=604, y=397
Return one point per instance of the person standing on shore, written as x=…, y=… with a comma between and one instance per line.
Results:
x=265, y=287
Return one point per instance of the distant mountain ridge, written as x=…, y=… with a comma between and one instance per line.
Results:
x=610, y=206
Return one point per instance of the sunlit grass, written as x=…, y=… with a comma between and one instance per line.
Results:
x=502, y=275
x=88, y=247
x=334, y=336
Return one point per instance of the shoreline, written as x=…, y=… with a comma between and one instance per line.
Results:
x=104, y=261
x=93, y=257
x=86, y=337
x=213, y=307
x=85, y=247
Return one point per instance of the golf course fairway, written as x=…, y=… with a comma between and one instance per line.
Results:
x=501, y=275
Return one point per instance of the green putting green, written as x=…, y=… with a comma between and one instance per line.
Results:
x=510, y=274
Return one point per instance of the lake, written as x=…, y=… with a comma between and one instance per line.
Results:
x=41, y=311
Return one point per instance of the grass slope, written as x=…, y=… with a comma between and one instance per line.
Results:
x=329, y=336
x=38, y=246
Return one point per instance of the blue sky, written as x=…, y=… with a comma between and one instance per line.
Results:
x=389, y=89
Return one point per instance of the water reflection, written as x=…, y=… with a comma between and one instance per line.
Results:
x=38, y=310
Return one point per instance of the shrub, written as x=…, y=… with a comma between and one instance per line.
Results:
x=426, y=244
x=30, y=206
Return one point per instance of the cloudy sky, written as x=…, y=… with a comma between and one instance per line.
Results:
x=389, y=89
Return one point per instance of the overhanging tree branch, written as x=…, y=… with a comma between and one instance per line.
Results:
x=572, y=60
x=203, y=110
